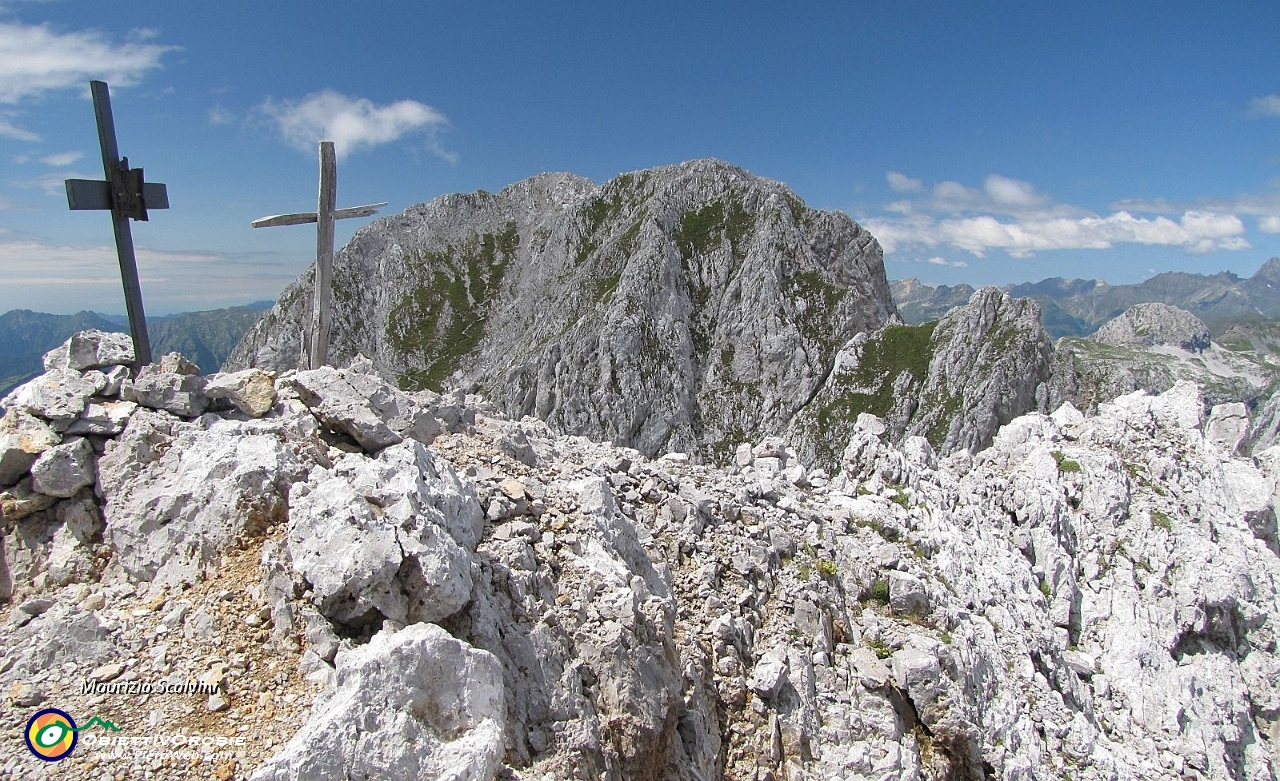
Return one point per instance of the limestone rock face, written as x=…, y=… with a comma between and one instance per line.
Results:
x=1153, y=325
x=176, y=497
x=393, y=519
x=954, y=382
x=91, y=349
x=694, y=306
x=416, y=703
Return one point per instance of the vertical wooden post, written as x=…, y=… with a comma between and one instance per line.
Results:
x=321, y=302
x=120, y=221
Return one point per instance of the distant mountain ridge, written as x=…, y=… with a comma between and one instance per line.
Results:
x=205, y=337
x=1078, y=307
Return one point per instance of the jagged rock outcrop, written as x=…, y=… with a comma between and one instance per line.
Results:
x=684, y=308
x=1091, y=597
x=954, y=382
x=1155, y=325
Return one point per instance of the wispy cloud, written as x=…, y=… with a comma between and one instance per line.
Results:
x=1265, y=106
x=51, y=182
x=10, y=130
x=1010, y=215
x=221, y=115
x=352, y=123
x=61, y=159
x=940, y=261
x=1269, y=224
x=49, y=276
x=35, y=59
x=901, y=183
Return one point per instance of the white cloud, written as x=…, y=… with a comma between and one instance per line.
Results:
x=61, y=159
x=1196, y=232
x=352, y=123
x=1269, y=224
x=34, y=59
x=1265, y=106
x=1010, y=215
x=1012, y=193
x=53, y=182
x=10, y=130
x=902, y=183
x=939, y=261
x=220, y=115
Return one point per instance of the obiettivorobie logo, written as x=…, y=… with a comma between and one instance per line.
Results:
x=52, y=734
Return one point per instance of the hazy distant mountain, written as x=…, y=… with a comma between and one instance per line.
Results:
x=1075, y=307
x=25, y=336
x=204, y=337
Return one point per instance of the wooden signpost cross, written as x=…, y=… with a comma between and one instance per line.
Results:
x=127, y=197
x=317, y=341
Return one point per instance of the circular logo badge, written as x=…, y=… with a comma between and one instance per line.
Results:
x=51, y=734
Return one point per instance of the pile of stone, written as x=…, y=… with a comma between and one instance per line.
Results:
x=457, y=595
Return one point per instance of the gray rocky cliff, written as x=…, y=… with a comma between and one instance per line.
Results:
x=684, y=308
x=954, y=382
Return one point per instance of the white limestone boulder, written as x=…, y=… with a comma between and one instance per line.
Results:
x=91, y=349
x=412, y=704
x=58, y=396
x=23, y=437
x=407, y=526
x=177, y=495
x=64, y=469
x=173, y=385
x=252, y=391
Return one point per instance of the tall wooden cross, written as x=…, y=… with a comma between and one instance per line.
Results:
x=127, y=197
x=317, y=342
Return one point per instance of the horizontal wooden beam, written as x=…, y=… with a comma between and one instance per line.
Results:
x=86, y=194
x=284, y=219
x=303, y=218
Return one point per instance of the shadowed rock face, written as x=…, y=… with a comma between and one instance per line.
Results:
x=687, y=308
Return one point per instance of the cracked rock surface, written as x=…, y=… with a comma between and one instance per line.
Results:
x=1089, y=597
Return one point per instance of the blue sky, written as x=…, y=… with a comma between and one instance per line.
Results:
x=981, y=142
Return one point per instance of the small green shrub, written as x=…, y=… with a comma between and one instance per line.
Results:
x=879, y=592
x=1160, y=520
x=899, y=498
x=882, y=650
x=1066, y=465
x=1044, y=588
x=827, y=568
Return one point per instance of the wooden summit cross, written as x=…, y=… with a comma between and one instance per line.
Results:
x=317, y=342
x=126, y=196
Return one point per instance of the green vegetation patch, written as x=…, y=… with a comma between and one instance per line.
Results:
x=703, y=230
x=1066, y=465
x=1161, y=520
x=442, y=319
x=879, y=592
x=869, y=386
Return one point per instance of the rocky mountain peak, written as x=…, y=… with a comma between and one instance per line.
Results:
x=688, y=307
x=1155, y=325
x=1270, y=272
